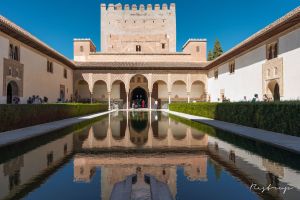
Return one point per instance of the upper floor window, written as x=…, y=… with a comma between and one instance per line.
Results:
x=65, y=73
x=163, y=45
x=49, y=158
x=216, y=73
x=231, y=67
x=14, y=52
x=138, y=48
x=81, y=49
x=11, y=51
x=272, y=50
x=198, y=49
x=49, y=66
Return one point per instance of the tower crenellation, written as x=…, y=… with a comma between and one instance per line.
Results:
x=135, y=7
x=124, y=28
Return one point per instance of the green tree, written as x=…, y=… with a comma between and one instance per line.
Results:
x=217, y=49
x=210, y=56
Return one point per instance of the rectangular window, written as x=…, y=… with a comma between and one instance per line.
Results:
x=163, y=45
x=14, y=52
x=231, y=67
x=65, y=73
x=138, y=48
x=272, y=50
x=216, y=73
x=49, y=158
x=198, y=49
x=11, y=51
x=49, y=67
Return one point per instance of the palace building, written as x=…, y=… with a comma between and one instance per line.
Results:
x=138, y=62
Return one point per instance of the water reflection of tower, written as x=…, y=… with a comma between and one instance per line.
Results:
x=139, y=127
x=110, y=175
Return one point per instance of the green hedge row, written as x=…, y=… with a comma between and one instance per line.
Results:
x=283, y=117
x=23, y=115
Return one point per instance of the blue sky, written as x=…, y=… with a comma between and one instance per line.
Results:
x=57, y=22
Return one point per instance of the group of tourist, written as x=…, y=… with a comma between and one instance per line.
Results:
x=36, y=99
x=139, y=103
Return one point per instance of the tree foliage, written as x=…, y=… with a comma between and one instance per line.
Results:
x=217, y=51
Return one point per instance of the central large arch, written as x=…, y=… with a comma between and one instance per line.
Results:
x=139, y=98
x=139, y=92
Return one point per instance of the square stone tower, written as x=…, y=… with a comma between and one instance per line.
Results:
x=138, y=30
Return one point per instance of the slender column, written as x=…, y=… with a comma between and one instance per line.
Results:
x=170, y=93
x=108, y=94
x=150, y=100
x=188, y=97
x=91, y=97
x=127, y=103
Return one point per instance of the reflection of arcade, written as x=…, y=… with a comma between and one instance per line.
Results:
x=25, y=172
x=250, y=168
x=116, y=167
x=129, y=130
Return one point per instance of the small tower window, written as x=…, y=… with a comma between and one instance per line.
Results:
x=163, y=45
x=81, y=49
x=198, y=49
x=138, y=48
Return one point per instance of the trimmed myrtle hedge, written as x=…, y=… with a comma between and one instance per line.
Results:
x=23, y=115
x=283, y=117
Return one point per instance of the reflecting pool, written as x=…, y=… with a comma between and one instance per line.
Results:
x=192, y=161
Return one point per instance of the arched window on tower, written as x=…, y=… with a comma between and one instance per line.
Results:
x=138, y=48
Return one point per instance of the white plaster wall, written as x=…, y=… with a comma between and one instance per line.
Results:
x=245, y=81
x=4, y=45
x=289, y=49
x=37, y=81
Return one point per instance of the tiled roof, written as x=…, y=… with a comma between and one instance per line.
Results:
x=289, y=20
x=141, y=65
x=20, y=34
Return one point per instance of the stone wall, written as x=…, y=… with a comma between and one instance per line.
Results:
x=124, y=28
